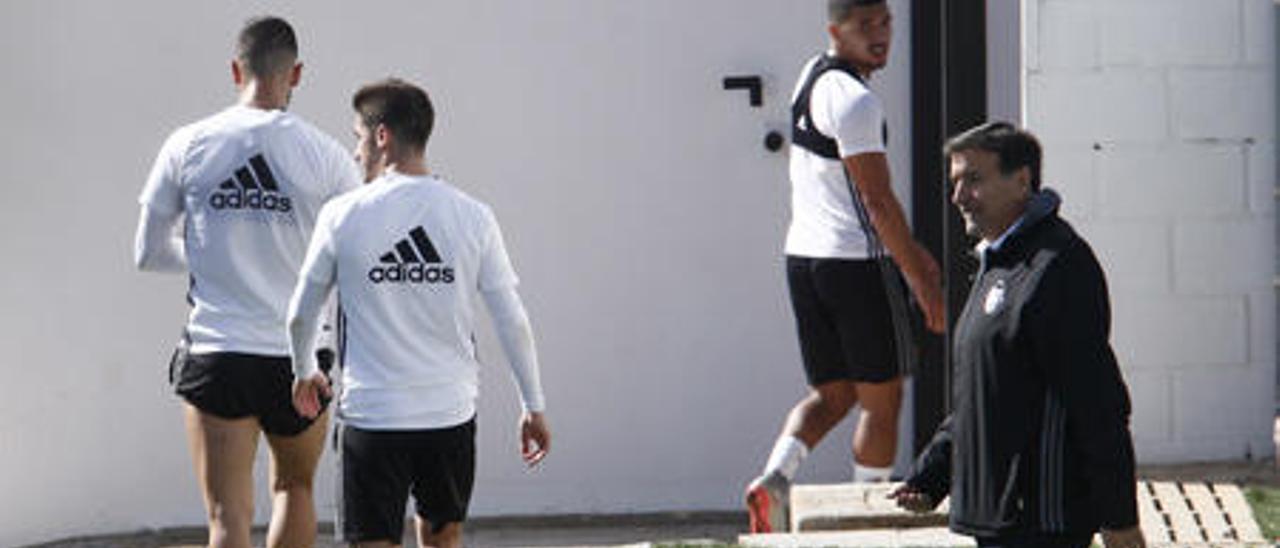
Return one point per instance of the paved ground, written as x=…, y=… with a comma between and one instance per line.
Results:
x=722, y=527
x=548, y=532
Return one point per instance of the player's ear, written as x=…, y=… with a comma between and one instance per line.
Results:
x=382, y=136
x=237, y=75
x=295, y=74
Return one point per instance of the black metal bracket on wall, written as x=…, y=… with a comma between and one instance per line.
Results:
x=773, y=140
x=753, y=84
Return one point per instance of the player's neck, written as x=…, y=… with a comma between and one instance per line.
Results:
x=415, y=165
x=864, y=71
x=263, y=97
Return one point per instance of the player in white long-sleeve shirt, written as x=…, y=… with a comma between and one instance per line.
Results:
x=245, y=186
x=408, y=254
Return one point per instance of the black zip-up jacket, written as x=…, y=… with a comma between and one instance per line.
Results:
x=1038, y=438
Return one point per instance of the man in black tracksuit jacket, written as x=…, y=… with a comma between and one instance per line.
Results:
x=1037, y=449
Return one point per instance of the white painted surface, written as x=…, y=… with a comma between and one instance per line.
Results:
x=641, y=210
x=1184, y=174
x=1004, y=60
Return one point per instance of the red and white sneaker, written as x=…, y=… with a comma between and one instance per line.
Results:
x=769, y=503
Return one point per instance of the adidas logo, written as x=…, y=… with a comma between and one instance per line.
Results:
x=413, y=261
x=245, y=191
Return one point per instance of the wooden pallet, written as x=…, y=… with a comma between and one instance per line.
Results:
x=1195, y=513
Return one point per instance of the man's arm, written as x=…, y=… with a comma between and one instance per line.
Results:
x=156, y=248
x=515, y=333
x=1069, y=323
x=315, y=284
x=304, y=316
x=496, y=282
x=930, y=479
x=870, y=171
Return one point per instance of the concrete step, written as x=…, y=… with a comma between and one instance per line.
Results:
x=855, y=506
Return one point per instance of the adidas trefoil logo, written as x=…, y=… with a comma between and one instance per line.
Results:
x=415, y=260
x=245, y=191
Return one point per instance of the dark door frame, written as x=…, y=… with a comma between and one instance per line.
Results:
x=948, y=95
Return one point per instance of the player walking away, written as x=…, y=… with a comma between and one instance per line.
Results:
x=847, y=242
x=408, y=254
x=245, y=186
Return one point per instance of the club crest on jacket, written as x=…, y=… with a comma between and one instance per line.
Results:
x=995, y=297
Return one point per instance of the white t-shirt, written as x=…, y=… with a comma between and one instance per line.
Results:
x=249, y=183
x=824, y=222
x=410, y=255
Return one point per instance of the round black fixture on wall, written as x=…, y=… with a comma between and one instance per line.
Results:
x=773, y=141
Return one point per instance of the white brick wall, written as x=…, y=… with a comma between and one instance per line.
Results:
x=1262, y=315
x=1151, y=421
x=1159, y=331
x=1072, y=42
x=1073, y=171
x=1225, y=404
x=1158, y=120
x=1134, y=254
x=1262, y=178
x=1085, y=105
x=1259, y=37
x=1202, y=251
x=1167, y=32
x=1222, y=103
x=1170, y=181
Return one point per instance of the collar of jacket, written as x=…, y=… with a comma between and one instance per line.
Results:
x=1040, y=206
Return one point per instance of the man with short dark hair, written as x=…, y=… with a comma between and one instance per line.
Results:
x=245, y=185
x=846, y=247
x=1036, y=451
x=408, y=254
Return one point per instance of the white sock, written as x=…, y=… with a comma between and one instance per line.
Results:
x=869, y=474
x=786, y=456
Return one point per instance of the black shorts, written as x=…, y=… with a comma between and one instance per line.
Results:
x=853, y=319
x=233, y=385
x=380, y=468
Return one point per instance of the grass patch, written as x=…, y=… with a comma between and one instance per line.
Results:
x=1265, y=502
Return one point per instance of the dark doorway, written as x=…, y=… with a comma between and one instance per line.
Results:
x=949, y=94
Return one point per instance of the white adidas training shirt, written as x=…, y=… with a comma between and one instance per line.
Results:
x=824, y=223
x=409, y=256
x=248, y=184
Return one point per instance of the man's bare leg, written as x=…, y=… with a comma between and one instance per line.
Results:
x=222, y=452
x=450, y=536
x=293, y=467
x=820, y=411
x=875, y=441
x=767, y=498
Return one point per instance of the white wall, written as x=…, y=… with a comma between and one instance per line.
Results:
x=1004, y=60
x=1158, y=120
x=642, y=212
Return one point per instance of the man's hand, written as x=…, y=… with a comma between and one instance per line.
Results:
x=535, y=438
x=911, y=499
x=926, y=285
x=1123, y=538
x=307, y=391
